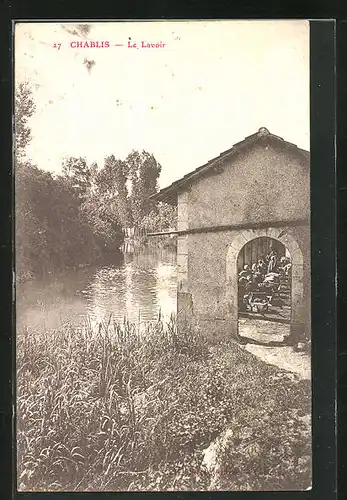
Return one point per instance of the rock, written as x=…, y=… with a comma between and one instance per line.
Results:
x=213, y=456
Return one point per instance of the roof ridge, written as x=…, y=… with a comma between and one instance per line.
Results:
x=262, y=132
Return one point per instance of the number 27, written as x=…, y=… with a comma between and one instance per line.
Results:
x=57, y=45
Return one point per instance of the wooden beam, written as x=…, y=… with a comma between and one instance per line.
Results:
x=164, y=233
x=232, y=227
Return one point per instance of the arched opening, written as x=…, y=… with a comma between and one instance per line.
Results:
x=295, y=322
x=264, y=289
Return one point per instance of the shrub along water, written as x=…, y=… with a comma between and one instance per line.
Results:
x=112, y=408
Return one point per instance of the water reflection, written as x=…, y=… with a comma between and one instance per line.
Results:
x=136, y=288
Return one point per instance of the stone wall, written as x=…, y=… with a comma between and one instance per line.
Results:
x=266, y=184
x=213, y=276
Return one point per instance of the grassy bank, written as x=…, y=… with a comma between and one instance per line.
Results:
x=110, y=409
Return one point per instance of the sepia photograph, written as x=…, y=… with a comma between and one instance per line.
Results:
x=162, y=255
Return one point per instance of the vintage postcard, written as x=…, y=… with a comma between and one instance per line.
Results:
x=162, y=237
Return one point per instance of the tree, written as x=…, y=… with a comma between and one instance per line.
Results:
x=102, y=218
x=163, y=218
x=26, y=224
x=112, y=183
x=64, y=220
x=61, y=221
x=144, y=172
x=80, y=175
x=24, y=110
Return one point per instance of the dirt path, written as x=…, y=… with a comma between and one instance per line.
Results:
x=284, y=357
x=264, y=332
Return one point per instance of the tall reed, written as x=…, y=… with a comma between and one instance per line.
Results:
x=110, y=407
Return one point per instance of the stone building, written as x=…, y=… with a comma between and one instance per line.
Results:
x=260, y=188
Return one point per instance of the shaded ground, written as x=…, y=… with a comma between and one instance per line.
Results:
x=262, y=330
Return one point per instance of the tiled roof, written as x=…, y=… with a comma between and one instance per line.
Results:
x=169, y=193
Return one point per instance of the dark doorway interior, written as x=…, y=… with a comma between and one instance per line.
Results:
x=264, y=288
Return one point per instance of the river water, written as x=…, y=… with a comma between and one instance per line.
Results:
x=136, y=286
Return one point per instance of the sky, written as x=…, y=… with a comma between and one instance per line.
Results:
x=210, y=86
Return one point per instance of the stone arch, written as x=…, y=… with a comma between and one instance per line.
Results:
x=297, y=298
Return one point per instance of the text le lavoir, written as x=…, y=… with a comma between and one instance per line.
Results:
x=146, y=45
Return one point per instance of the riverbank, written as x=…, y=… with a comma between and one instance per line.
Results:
x=111, y=256
x=112, y=409
x=137, y=284
x=107, y=257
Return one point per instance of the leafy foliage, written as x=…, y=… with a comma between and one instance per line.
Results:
x=79, y=174
x=78, y=216
x=24, y=110
x=51, y=230
x=162, y=217
x=144, y=173
x=112, y=185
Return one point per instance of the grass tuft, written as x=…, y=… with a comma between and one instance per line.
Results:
x=114, y=409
